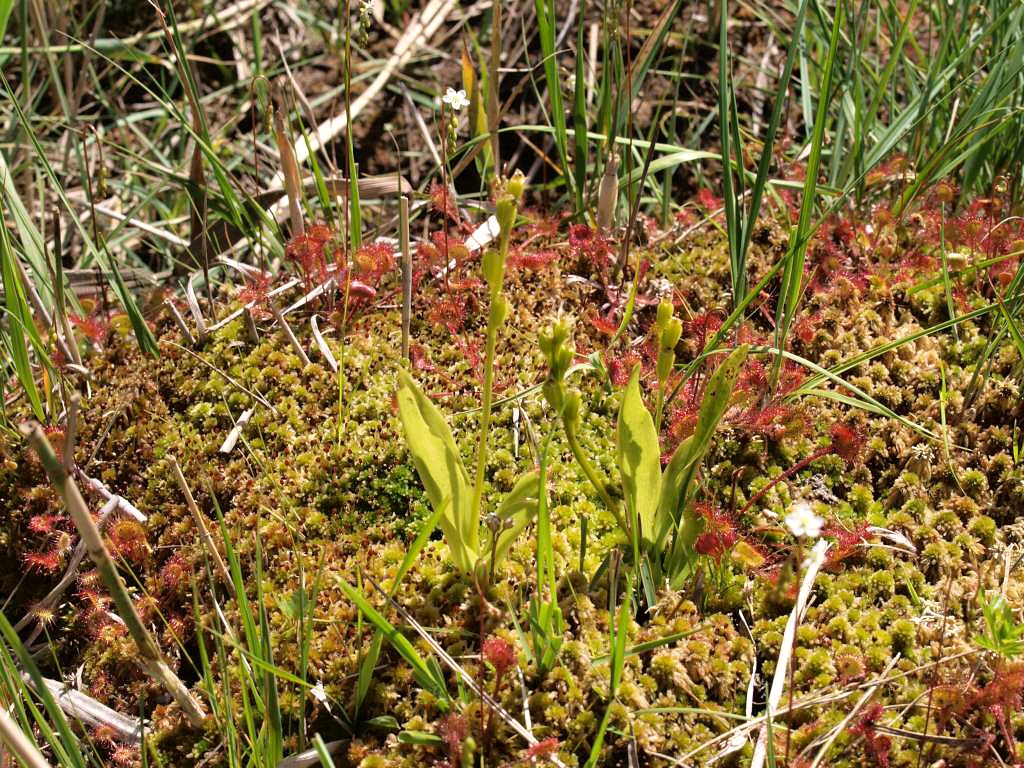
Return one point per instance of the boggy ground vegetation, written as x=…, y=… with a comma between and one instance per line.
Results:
x=896, y=446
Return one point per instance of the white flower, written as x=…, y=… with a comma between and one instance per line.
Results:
x=457, y=100
x=802, y=521
x=318, y=693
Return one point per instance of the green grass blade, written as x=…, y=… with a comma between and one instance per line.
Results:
x=421, y=670
x=791, y=288
x=20, y=317
x=546, y=30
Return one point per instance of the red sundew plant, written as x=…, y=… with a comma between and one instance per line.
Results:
x=125, y=755
x=96, y=604
x=311, y=251
x=127, y=539
x=594, y=251
x=56, y=542
x=46, y=562
x=791, y=377
x=773, y=422
x=543, y=224
x=374, y=260
x=257, y=293
x=441, y=202
x=470, y=350
x=847, y=442
x=175, y=575
x=520, y=258
x=543, y=750
x=92, y=327
x=453, y=730
x=719, y=534
x=620, y=366
x=606, y=324
x=500, y=654
x=104, y=735
x=847, y=541
x=682, y=420
x=686, y=217
x=1001, y=698
x=45, y=523
x=703, y=326
x=877, y=747
x=915, y=263
x=448, y=313
x=447, y=248
x=709, y=201
x=418, y=358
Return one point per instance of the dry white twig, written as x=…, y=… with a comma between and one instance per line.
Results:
x=236, y=432
x=814, y=562
x=193, y=305
x=20, y=745
x=122, y=503
x=321, y=344
x=85, y=709
x=200, y=521
x=180, y=322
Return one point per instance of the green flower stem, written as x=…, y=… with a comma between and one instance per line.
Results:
x=485, y=409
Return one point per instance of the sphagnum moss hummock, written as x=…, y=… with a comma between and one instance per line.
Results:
x=349, y=501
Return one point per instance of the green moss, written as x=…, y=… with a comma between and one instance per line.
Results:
x=324, y=484
x=983, y=528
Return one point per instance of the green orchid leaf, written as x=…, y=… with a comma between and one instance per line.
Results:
x=639, y=457
x=440, y=468
x=517, y=511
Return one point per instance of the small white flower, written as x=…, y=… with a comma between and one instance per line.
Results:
x=802, y=521
x=457, y=100
x=318, y=693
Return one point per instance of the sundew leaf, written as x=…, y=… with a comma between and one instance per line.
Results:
x=639, y=457
x=439, y=465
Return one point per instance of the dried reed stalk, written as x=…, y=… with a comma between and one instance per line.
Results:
x=19, y=744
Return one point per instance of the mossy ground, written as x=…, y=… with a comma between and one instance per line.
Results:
x=322, y=487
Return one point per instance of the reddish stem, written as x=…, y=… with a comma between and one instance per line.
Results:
x=800, y=465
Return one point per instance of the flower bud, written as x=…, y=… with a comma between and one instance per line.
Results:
x=670, y=335
x=664, y=312
x=494, y=269
x=516, y=185
x=505, y=212
x=571, y=410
